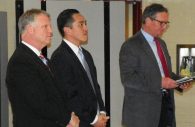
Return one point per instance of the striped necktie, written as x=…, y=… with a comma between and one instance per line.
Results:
x=45, y=61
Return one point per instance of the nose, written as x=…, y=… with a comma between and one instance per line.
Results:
x=50, y=30
x=165, y=25
x=85, y=28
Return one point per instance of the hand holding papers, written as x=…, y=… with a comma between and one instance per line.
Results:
x=185, y=80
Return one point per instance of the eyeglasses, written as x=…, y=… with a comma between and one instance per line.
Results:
x=162, y=23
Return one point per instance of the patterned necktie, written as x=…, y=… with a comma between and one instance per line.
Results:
x=43, y=59
x=86, y=67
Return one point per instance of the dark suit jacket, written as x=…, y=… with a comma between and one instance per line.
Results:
x=141, y=78
x=75, y=85
x=34, y=98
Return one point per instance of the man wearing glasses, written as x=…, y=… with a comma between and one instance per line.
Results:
x=146, y=74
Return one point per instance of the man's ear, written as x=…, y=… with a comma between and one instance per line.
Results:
x=67, y=30
x=30, y=29
x=148, y=19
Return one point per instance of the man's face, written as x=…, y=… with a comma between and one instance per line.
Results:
x=42, y=31
x=79, y=30
x=159, y=24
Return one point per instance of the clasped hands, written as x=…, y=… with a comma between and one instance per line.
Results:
x=74, y=121
x=102, y=120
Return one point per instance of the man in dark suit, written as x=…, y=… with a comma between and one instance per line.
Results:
x=76, y=72
x=148, y=81
x=32, y=91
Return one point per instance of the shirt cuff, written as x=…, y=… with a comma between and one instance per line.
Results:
x=95, y=120
x=96, y=117
x=103, y=112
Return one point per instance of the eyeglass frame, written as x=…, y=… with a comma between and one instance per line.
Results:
x=162, y=23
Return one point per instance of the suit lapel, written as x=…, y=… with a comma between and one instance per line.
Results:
x=35, y=58
x=73, y=57
x=166, y=54
x=146, y=47
x=45, y=74
x=91, y=69
x=78, y=63
x=89, y=62
x=149, y=52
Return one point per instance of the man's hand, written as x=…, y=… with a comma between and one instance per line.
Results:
x=185, y=86
x=168, y=83
x=74, y=121
x=102, y=119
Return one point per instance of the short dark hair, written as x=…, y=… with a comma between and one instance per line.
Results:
x=151, y=10
x=65, y=19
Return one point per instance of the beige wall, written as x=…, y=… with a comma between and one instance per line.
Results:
x=181, y=31
x=117, y=37
x=9, y=7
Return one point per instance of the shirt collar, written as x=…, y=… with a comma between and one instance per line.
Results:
x=36, y=51
x=149, y=38
x=72, y=46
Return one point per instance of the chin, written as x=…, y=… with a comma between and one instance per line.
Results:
x=84, y=42
x=49, y=45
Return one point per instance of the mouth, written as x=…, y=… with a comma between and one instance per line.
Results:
x=85, y=33
x=50, y=36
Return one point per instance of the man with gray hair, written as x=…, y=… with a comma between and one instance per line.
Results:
x=32, y=90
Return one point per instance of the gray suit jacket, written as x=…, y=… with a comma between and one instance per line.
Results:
x=141, y=78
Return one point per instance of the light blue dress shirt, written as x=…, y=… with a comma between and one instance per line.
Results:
x=151, y=42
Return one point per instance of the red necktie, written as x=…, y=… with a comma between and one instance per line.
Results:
x=162, y=58
x=43, y=59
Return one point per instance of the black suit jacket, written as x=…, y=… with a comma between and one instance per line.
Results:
x=75, y=85
x=34, y=98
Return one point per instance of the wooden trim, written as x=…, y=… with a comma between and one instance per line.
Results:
x=137, y=13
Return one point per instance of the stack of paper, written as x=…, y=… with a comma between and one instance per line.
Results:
x=185, y=80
